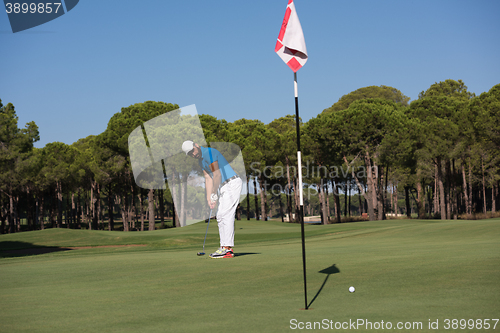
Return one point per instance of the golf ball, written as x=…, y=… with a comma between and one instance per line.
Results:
x=351, y=289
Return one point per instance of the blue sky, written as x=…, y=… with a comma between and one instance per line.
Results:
x=72, y=74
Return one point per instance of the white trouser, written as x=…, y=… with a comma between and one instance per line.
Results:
x=229, y=199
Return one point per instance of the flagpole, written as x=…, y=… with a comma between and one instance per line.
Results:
x=301, y=198
x=291, y=48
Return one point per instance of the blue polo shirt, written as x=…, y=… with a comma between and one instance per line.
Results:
x=209, y=156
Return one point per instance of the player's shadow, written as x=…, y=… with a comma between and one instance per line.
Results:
x=244, y=254
x=328, y=271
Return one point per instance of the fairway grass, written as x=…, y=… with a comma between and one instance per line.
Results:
x=404, y=271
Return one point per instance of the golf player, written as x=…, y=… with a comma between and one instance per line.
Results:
x=222, y=184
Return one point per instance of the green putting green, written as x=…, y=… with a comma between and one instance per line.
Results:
x=406, y=273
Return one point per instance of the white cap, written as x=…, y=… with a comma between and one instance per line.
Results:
x=187, y=146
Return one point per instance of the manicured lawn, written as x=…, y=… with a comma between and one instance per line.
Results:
x=403, y=271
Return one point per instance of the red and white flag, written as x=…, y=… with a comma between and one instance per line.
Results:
x=291, y=45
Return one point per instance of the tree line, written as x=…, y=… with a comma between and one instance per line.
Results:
x=437, y=153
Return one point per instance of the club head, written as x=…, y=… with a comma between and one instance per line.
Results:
x=200, y=253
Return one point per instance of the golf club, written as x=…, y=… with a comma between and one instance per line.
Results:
x=203, y=253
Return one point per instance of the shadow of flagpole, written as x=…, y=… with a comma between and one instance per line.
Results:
x=328, y=271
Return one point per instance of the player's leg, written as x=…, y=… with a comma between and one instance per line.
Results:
x=228, y=203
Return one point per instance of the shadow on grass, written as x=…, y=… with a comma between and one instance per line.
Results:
x=22, y=249
x=244, y=254
x=328, y=271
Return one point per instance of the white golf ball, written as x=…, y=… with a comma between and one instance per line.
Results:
x=351, y=289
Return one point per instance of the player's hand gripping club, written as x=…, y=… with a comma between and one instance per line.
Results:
x=213, y=200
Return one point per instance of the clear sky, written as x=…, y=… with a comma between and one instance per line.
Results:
x=72, y=74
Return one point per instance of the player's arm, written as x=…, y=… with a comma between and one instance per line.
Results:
x=208, y=185
x=216, y=176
